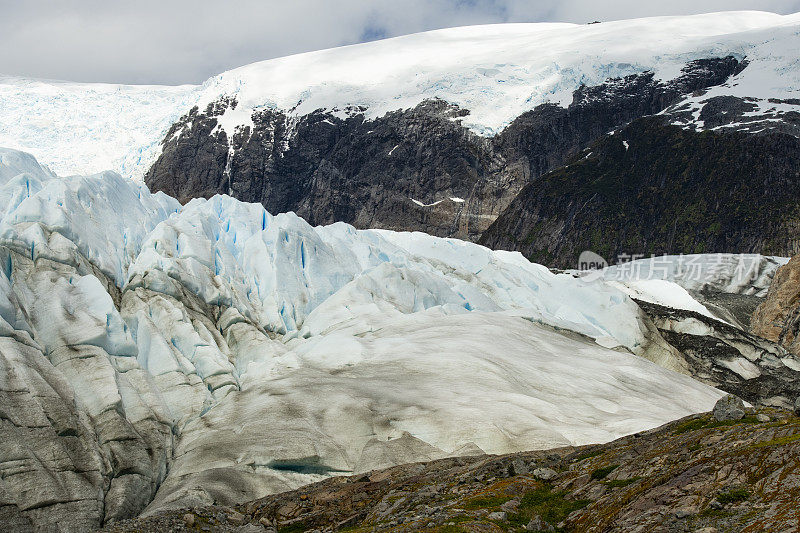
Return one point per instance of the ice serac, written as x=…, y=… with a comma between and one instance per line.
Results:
x=86, y=436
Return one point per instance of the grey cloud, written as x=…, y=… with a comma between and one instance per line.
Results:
x=186, y=41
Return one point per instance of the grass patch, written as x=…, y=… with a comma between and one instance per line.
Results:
x=292, y=528
x=715, y=513
x=691, y=425
x=450, y=529
x=780, y=441
x=699, y=423
x=726, y=423
x=732, y=496
x=588, y=455
x=551, y=505
x=617, y=483
x=601, y=473
x=453, y=525
x=485, y=502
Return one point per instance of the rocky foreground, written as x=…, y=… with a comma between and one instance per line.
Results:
x=694, y=474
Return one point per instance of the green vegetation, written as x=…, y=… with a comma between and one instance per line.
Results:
x=541, y=256
x=451, y=529
x=589, y=455
x=537, y=228
x=601, y=473
x=616, y=483
x=715, y=513
x=701, y=423
x=733, y=495
x=691, y=425
x=293, y=528
x=780, y=441
x=453, y=524
x=551, y=505
x=687, y=192
x=727, y=423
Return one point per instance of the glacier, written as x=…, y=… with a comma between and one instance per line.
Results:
x=157, y=355
x=496, y=72
x=88, y=128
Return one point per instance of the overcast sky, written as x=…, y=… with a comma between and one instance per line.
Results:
x=187, y=41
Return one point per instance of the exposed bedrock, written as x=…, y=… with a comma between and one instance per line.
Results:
x=417, y=169
x=777, y=318
x=653, y=188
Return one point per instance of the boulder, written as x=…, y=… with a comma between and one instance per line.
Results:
x=729, y=407
x=537, y=524
x=545, y=474
x=518, y=468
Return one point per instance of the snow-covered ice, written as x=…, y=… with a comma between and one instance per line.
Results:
x=87, y=128
x=500, y=71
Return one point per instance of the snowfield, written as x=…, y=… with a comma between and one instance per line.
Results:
x=497, y=72
x=246, y=353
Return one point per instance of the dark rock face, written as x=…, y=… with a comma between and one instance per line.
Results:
x=726, y=357
x=549, y=135
x=654, y=188
x=327, y=169
x=368, y=172
x=739, y=114
x=777, y=318
x=736, y=309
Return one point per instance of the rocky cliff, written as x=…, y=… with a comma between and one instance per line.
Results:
x=418, y=169
x=777, y=318
x=551, y=184
x=656, y=188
